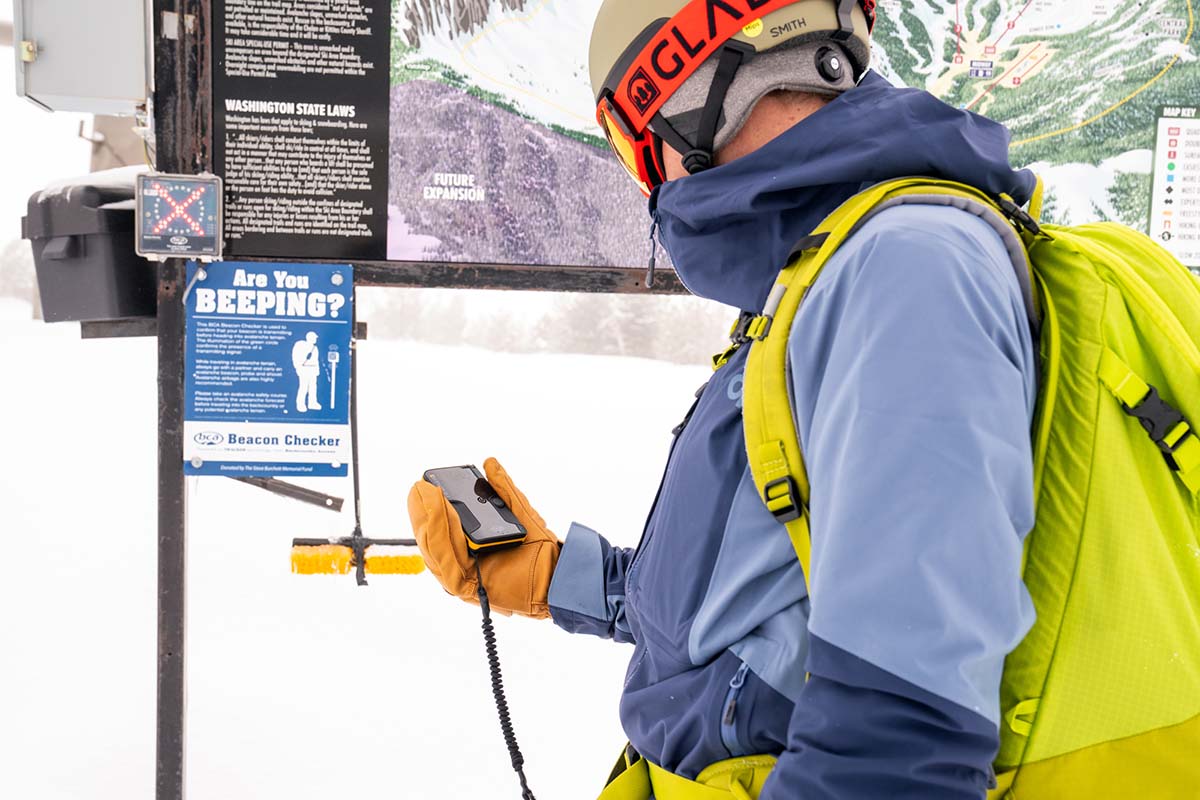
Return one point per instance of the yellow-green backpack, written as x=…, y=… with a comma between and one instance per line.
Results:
x=1102, y=698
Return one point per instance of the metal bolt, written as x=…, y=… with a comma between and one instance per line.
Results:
x=197, y=462
x=337, y=279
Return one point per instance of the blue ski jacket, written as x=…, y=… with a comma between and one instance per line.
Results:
x=913, y=374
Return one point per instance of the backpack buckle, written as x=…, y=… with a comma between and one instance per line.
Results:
x=1166, y=425
x=750, y=327
x=1018, y=215
x=782, y=498
x=759, y=327
x=1175, y=440
x=737, y=334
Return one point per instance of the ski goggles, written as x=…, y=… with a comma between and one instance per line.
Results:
x=639, y=153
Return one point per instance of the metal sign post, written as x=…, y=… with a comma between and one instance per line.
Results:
x=182, y=67
x=172, y=537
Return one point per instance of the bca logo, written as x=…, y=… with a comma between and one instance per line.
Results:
x=642, y=91
x=208, y=438
x=178, y=240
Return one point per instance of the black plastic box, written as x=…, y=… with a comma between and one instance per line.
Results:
x=82, y=237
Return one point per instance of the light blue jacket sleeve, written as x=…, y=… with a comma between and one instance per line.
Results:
x=587, y=592
x=914, y=390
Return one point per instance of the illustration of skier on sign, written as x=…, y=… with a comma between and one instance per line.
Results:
x=306, y=358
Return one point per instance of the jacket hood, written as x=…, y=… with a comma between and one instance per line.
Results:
x=729, y=230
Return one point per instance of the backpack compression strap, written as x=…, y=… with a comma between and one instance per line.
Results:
x=1165, y=425
x=772, y=443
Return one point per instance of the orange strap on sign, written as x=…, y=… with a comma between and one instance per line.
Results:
x=679, y=48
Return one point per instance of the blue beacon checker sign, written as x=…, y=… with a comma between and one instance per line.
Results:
x=267, y=385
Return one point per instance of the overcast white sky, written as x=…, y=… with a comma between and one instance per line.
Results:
x=36, y=147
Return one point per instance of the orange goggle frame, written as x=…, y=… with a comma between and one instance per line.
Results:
x=639, y=153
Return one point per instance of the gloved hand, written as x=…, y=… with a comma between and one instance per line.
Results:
x=517, y=579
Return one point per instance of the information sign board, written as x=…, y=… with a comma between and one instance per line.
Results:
x=301, y=126
x=464, y=131
x=267, y=376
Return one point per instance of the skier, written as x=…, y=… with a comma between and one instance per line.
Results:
x=912, y=379
x=306, y=359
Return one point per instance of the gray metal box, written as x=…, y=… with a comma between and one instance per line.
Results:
x=81, y=55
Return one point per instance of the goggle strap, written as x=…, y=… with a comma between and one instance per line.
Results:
x=667, y=132
x=727, y=69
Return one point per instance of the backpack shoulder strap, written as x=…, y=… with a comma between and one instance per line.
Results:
x=772, y=443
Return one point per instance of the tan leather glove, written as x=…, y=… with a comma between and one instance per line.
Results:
x=517, y=579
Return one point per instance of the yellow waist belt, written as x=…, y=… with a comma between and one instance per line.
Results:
x=733, y=779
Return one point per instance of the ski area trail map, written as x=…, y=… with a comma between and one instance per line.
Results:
x=491, y=110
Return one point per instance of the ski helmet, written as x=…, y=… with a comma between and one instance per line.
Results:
x=664, y=70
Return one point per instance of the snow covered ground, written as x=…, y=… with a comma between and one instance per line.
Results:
x=303, y=687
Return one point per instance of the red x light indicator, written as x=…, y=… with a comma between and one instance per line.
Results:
x=179, y=216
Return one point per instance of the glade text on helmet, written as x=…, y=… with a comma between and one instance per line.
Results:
x=728, y=7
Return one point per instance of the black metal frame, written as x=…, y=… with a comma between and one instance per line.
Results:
x=544, y=278
x=183, y=125
x=182, y=122
x=607, y=280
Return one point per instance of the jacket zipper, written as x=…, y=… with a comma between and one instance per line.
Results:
x=677, y=433
x=653, y=253
x=655, y=224
x=729, y=735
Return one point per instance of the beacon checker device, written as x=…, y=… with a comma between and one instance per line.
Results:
x=179, y=216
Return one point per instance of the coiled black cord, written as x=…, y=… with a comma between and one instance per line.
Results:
x=493, y=657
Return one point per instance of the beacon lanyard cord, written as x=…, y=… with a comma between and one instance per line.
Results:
x=506, y=727
x=358, y=541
